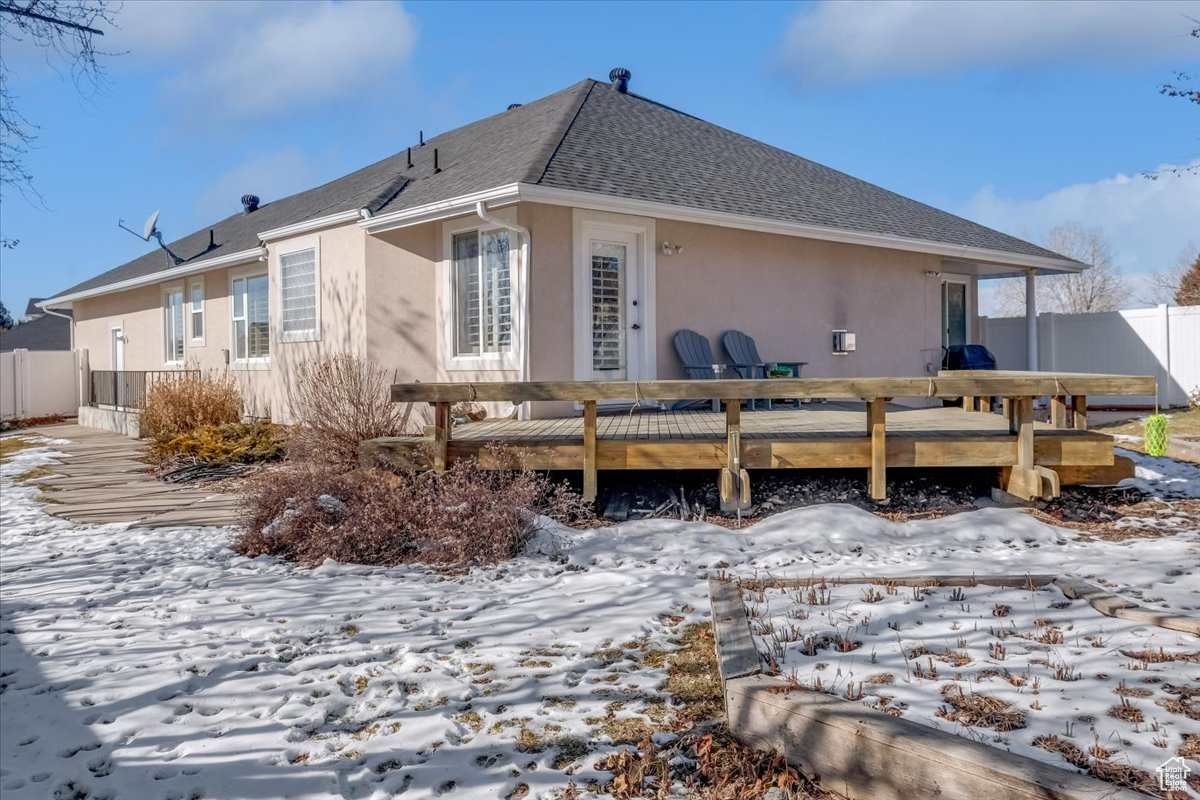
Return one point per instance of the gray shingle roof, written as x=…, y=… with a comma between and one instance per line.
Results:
x=591, y=138
x=42, y=333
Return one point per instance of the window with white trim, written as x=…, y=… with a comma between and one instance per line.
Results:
x=251, y=318
x=196, y=310
x=173, y=326
x=298, y=293
x=482, y=289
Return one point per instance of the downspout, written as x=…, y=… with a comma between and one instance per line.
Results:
x=522, y=294
x=67, y=317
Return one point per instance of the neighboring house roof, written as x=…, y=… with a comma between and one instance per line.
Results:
x=42, y=333
x=590, y=137
x=31, y=308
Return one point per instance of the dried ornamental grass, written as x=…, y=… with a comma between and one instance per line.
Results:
x=178, y=404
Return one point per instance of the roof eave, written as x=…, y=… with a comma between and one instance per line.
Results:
x=240, y=257
x=443, y=209
x=600, y=202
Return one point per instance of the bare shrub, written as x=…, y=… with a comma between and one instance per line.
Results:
x=341, y=401
x=310, y=511
x=179, y=404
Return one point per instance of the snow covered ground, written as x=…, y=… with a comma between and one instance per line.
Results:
x=1066, y=672
x=158, y=664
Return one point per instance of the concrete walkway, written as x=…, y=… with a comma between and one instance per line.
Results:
x=104, y=478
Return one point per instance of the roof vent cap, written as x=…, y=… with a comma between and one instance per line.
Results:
x=511, y=106
x=620, y=79
x=249, y=202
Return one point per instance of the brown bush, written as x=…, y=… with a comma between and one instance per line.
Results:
x=232, y=443
x=341, y=400
x=373, y=516
x=178, y=404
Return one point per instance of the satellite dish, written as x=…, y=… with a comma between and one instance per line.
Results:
x=149, y=227
x=150, y=230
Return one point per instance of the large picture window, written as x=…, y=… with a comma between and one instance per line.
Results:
x=298, y=293
x=173, y=326
x=251, y=319
x=482, y=287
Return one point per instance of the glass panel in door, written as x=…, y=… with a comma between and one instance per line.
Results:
x=954, y=313
x=608, y=268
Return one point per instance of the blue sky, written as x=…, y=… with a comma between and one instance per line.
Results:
x=1019, y=115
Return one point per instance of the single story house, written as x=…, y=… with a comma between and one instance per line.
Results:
x=567, y=238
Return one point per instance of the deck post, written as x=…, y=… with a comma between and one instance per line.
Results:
x=1079, y=411
x=1024, y=422
x=734, y=483
x=589, y=451
x=1058, y=411
x=877, y=430
x=441, y=435
x=1026, y=480
x=968, y=403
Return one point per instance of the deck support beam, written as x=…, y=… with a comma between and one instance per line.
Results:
x=734, y=483
x=441, y=435
x=1079, y=412
x=1027, y=480
x=1058, y=411
x=877, y=430
x=589, y=451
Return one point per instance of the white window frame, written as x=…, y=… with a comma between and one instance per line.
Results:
x=191, y=313
x=508, y=359
x=287, y=248
x=167, y=291
x=965, y=280
x=259, y=362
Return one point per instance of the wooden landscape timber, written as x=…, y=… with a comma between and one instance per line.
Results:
x=865, y=754
x=1033, y=460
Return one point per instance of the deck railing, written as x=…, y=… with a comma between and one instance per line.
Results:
x=127, y=389
x=1068, y=409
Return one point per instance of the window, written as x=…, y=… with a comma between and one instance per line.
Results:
x=482, y=290
x=196, y=309
x=173, y=326
x=251, y=319
x=298, y=294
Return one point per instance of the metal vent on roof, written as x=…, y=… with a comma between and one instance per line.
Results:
x=249, y=202
x=511, y=106
x=620, y=79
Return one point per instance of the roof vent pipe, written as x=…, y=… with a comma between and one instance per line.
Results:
x=620, y=79
x=422, y=135
x=410, y=158
x=249, y=203
x=436, y=168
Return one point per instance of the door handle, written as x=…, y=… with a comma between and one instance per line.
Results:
x=636, y=326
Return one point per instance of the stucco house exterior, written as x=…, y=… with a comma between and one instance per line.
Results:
x=564, y=239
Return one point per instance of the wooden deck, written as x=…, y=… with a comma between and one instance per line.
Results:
x=811, y=421
x=854, y=425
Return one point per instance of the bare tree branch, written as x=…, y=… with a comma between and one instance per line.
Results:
x=1100, y=288
x=66, y=31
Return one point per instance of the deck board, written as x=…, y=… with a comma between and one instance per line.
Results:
x=816, y=420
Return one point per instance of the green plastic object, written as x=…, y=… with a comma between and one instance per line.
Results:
x=1156, y=435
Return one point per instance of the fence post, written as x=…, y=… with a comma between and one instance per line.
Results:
x=83, y=369
x=20, y=383
x=1163, y=397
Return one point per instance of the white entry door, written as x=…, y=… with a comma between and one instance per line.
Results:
x=614, y=306
x=116, y=346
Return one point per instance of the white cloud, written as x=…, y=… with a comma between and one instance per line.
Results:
x=1149, y=222
x=270, y=176
x=840, y=42
x=249, y=60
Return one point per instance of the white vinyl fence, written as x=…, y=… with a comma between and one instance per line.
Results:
x=1162, y=341
x=37, y=383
